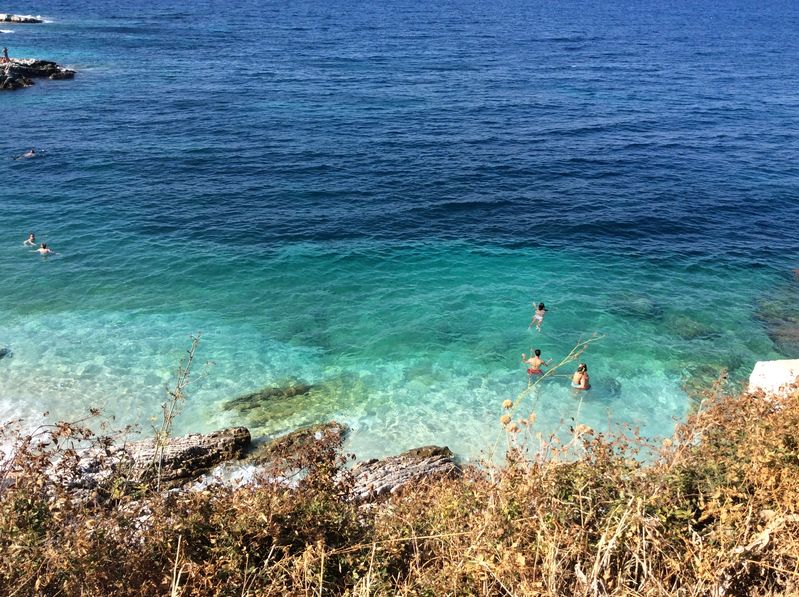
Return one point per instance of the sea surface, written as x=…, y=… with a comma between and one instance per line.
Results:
x=367, y=197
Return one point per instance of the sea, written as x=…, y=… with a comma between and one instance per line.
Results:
x=356, y=204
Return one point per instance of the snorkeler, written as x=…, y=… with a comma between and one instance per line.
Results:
x=43, y=250
x=31, y=240
x=580, y=379
x=535, y=363
x=538, y=317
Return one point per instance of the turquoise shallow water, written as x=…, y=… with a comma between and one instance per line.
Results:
x=407, y=344
x=368, y=199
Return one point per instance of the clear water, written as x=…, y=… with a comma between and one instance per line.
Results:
x=368, y=199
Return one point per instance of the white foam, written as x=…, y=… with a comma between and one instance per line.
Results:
x=6, y=31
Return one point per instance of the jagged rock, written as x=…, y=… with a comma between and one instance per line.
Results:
x=283, y=447
x=254, y=400
x=8, y=18
x=774, y=377
x=189, y=455
x=376, y=478
x=19, y=73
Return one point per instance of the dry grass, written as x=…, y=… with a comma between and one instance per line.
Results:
x=715, y=513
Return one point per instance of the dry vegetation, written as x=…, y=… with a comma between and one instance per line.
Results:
x=715, y=512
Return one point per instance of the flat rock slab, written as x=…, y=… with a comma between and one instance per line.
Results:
x=774, y=377
x=377, y=478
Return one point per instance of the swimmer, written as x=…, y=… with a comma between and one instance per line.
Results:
x=31, y=153
x=580, y=378
x=44, y=250
x=535, y=362
x=538, y=318
x=31, y=240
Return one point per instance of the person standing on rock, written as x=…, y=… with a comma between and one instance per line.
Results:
x=5, y=55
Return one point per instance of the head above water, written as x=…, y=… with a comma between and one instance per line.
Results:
x=43, y=246
x=538, y=352
x=31, y=236
x=540, y=306
x=582, y=368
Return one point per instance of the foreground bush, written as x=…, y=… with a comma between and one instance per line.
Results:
x=714, y=511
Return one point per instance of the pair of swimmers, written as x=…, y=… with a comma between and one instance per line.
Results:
x=580, y=380
x=43, y=248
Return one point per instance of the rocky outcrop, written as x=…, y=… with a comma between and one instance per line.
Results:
x=377, y=478
x=7, y=18
x=19, y=73
x=183, y=458
x=189, y=455
x=283, y=447
x=774, y=378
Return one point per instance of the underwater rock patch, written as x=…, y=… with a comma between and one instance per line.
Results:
x=779, y=314
x=255, y=399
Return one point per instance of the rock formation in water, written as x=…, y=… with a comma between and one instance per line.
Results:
x=8, y=18
x=19, y=73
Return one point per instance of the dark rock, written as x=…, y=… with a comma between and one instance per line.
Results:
x=282, y=448
x=62, y=74
x=19, y=73
x=5, y=352
x=254, y=400
x=377, y=478
x=7, y=18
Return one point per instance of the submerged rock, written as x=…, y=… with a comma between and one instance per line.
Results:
x=255, y=399
x=4, y=352
x=20, y=73
x=636, y=306
x=779, y=314
x=688, y=328
x=8, y=18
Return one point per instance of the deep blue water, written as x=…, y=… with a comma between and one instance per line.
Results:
x=368, y=197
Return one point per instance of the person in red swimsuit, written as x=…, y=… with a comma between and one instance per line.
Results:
x=535, y=363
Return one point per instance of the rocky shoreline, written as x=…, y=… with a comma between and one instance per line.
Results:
x=20, y=72
x=228, y=458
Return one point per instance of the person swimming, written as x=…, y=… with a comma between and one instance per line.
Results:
x=31, y=240
x=31, y=153
x=538, y=317
x=535, y=363
x=580, y=379
x=44, y=250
